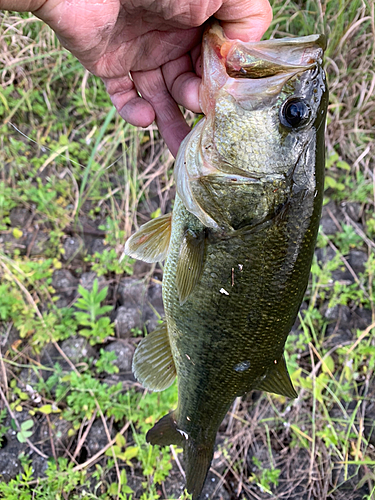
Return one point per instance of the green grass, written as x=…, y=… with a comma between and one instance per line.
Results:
x=70, y=161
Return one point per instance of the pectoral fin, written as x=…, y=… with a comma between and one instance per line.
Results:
x=151, y=242
x=153, y=364
x=278, y=381
x=190, y=263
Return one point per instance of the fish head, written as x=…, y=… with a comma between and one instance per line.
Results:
x=265, y=105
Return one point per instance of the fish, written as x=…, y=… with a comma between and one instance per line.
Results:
x=239, y=243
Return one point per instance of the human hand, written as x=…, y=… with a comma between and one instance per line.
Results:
x=157, y=43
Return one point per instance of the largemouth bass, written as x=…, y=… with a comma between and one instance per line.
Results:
x=240, y=242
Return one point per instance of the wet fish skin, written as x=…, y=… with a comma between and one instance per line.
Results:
x=243, y=233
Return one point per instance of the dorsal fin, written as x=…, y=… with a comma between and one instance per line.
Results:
x=151, y=242
x=153, y=364
x=190, y=263
x=278, y=381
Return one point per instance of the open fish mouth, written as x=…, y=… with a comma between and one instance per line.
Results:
x=266, y=58
x=255, y=70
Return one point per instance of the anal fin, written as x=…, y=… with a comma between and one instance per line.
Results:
x=153, y=364
x=165, y=432
x=151, y=242
x=278, y=381
x=190, y=263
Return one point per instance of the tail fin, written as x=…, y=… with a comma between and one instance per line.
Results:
x=197, y=456
x=198, y=460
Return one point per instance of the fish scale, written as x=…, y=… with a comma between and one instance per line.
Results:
x=241, y=238
x=237, y=141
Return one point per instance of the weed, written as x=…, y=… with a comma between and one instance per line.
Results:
x=25, y=431
x=265, y=477
x=61, y=480
x=98, y=327
x=105, y=362
x=108, y=262
x=3, y=429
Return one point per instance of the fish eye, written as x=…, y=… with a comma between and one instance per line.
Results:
x=294, y=113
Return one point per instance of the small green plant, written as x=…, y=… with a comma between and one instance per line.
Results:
x=105, y=362
x=108, y=262
x=347, y=239
x=126, y=493
x=85, y=392
x=113, y=232
x=24, y=433
x=264, y=478
x=3, y=429
x=62, y=481
x=122, y=451
x=136, y=332
x=19, y=396
x=97, y=327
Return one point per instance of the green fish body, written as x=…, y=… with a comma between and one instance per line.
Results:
x=240, y=242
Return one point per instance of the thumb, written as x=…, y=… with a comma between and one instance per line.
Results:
x=246, y=20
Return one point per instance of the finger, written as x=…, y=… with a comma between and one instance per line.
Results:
x=247, y=20
x=169, y=119
x=131, y=107
x=158, y=47
x=21, y=6
x=182, y=82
